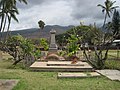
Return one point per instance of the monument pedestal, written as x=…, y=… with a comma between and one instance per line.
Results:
x=53, y=46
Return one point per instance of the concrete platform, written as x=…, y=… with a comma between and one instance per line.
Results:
x=60, y=66
x=111, y=74
x=78, y=75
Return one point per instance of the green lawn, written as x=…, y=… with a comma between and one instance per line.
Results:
x=112, y=54
x=48, y=80
x=112, y=64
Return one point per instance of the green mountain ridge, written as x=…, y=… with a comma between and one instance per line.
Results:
x=37, y=33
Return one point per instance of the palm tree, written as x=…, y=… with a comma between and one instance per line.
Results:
x=41, y=24
x=107, y=8
x=8, y=11
x=116, y=23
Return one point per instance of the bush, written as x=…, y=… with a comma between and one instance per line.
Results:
x=21, y=49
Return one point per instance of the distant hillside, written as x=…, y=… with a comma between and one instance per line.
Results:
x=36, y=32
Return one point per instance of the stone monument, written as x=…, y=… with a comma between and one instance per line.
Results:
x=53, y=46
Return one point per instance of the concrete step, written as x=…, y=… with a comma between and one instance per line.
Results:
x=65, y=63
x=43, y=66
x=78, y=75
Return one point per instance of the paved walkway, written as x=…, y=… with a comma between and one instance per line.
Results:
x=7, y=84
x=111, y=74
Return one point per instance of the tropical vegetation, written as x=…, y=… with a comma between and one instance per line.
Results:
x=21, y=49
x=25, y=51
x=8, y=11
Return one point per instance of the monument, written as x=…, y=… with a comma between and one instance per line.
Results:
x=53, y=46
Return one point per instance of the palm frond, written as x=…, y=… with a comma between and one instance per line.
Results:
x=108, y=13
x=14, y=17
x=114, y=7
x=101, y=6
x=113, y=2
x=24, y=1
x=103, y=10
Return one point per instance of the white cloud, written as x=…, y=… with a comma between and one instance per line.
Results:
x=58, y=12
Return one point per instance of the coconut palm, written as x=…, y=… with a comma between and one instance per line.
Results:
x=107, y=8
x=8, y=11
x=41, y=24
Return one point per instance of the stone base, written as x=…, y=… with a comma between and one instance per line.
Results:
x=52, y=50
x=43, y=66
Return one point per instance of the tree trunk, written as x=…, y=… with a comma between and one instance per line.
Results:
x=8, y=28
x=1, y=26
x=105, y=20
x=15, y=63
x=4, y=23
x=0, y=55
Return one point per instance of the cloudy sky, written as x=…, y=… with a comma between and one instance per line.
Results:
x=59, y=12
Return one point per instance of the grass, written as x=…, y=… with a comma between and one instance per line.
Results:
x=48, y=80
x=112, y=64
x=112, y=54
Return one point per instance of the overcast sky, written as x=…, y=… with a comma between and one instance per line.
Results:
x=59, y=12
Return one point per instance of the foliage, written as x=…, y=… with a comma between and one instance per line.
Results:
x=102, y=40
x=93, y=36
x=116, y=23
x=8, y=12
x=72, y=45
x=62, y=53
x=114, y=26
x=41, y=24
x=82, y=31
x=61, y=39
x=44, y=43
x=37, y=53
x=20, y=48
x=107, y=8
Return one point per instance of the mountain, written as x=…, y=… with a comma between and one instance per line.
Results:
x=37, y=33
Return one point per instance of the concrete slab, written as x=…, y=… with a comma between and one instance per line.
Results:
x=111, y=74
x=7, y=84
x=43, y=66
x=78, y=75
x=94, y=74
x=65, y=63
x=71, y=75
x=37, y=64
